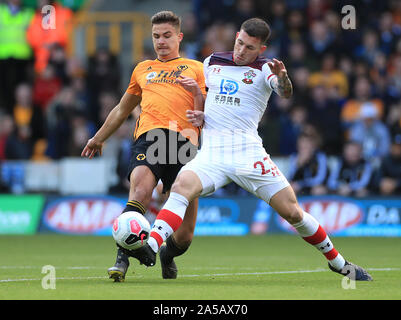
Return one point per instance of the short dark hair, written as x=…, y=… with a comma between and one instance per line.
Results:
x=166, y=17
x=257, y=28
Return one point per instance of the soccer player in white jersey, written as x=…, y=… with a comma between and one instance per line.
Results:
x=239, y=86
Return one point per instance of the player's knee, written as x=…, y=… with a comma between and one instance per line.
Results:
x=294, y=214
x=183, y=185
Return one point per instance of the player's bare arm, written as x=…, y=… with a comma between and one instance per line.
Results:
x=113, y=121
x=194, y=116
x=192, y=86
x=281, y=84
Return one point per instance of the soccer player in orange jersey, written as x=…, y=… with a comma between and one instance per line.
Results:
x=164, y=139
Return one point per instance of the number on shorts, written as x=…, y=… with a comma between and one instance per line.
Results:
x=273, y=169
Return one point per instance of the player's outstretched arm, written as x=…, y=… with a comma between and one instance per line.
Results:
x=281, y=84
x=113, y=121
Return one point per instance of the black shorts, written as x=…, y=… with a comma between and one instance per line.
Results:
x=164, y=151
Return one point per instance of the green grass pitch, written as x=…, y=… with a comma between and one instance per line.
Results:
x=214, y=268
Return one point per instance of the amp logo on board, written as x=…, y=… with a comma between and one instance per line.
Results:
x=82, y=215
x=333, y=215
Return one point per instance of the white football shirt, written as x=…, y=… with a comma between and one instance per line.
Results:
x=236, y=100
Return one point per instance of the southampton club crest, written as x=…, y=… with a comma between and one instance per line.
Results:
x=248, y=77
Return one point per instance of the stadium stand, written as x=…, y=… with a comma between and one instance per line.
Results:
x=54, y=89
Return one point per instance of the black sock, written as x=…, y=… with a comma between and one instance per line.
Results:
x=134, y=205
x=173, y=250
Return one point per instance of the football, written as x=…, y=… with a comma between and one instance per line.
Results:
x=131, y=230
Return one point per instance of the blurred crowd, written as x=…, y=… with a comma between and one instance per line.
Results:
x=341, y=130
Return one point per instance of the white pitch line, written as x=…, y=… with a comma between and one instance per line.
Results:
x=57, y=278
x=203, y=275
x=40, y=267
x=275, y=272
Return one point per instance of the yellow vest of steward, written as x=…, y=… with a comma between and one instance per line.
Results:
x=13, y=43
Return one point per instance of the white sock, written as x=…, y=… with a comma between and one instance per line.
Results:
x=313, y=233
x=168, y=220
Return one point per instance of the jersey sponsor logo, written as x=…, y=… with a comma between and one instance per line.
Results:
x=182, y=67
x=228, y=87
x=166, y=76
x=151, y=75
x=141, y=156
x=248, y=77
x=223, y=99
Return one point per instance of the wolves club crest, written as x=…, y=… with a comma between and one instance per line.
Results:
x=248, y=77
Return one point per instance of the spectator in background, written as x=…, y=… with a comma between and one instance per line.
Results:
x=346, y=66
x=19, y=144
x=320, y=40
x=333, y=79
x=26, y=113
x=81, y=131
x=107, y=101
x=332, y=19
x=209, y=12
x=43, y=39
x=388, y=32
x=369, y=48
x=352, y=107
x=351, y=175
x=6, y=129
x=395, y=9
x=378, y=76
x=316, y=10
x=60, y=116
x=291, y=126
x=45, y=87
x=243, y=10
x=371, y=133
x=58, y=60
x=298, y=57
x=324, y=114
x=301, y=88
x=15, y=52
x=277, y=22
x=390, y=169
x=190, y=43
x=296, y=27
x=394, y=81
x=103, y=75
x=393, y=120
x=271, y=124
x=308, y=167
x=218, y=38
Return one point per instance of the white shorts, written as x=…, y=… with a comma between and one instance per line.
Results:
x=252, y=170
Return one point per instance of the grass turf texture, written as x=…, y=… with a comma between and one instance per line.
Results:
x=252, y=267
